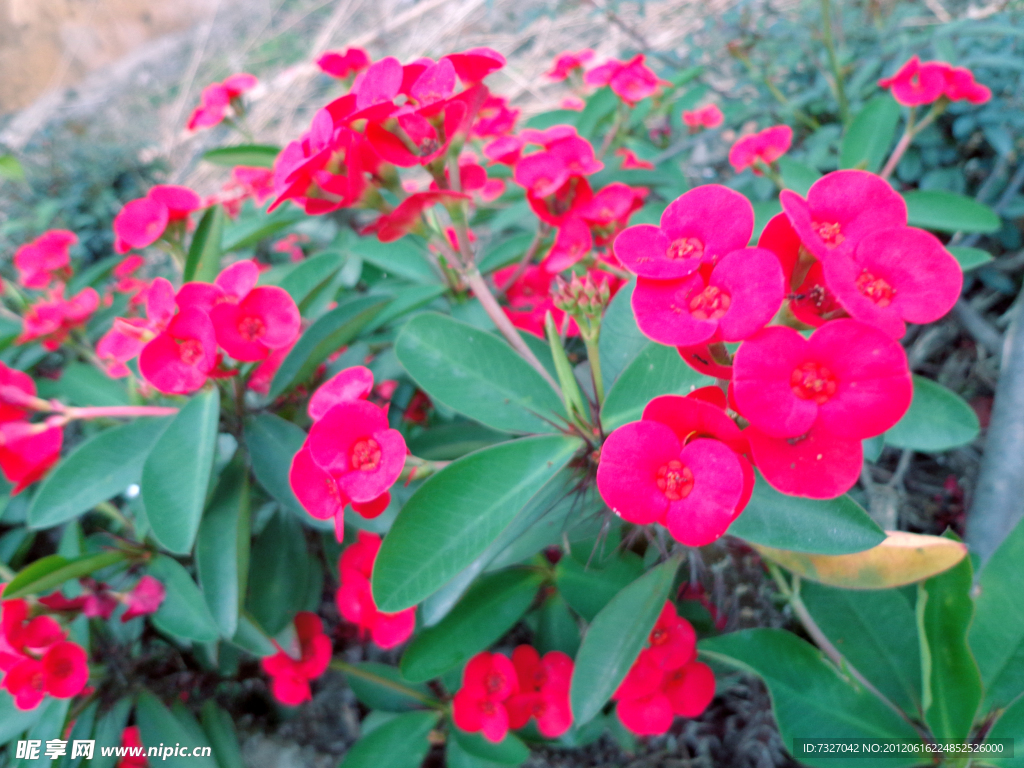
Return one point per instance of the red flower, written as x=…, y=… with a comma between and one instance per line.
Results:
x=709, y=116
x=142, y=222
x=355, y=599
x=178, y=360
x=96, y=600
x=407, y=217
x=849, y=378
x=217, y=98
x=346, y=386
x=961, y=86
x=132, y=739
x=817, y=464
x=250, y=322
x=762, y=148
x=474, y=65
x=543, y=691
x=917, y=83
x=699, y=227
x=674, y=467
x=28, y=451
x=739, y=295
x=841, y=208
x=529, y=299
x=46, y=257
x=145, y=598
x=129, y=335
x=289, y=675
x=15, y=386
x=893, y=276
x=341, y=65
x=488, y=682
x=54, y=317
x=631, y=81
x=631, y=161
x=495, y=118
x=568, y=62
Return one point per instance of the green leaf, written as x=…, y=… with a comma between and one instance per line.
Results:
x=456, y=756
x=870, y=135
x=589, y=588
x=952, y=682
x=11, y=169
x=616, y=637
x=621, y=340
x=157, y=725
x=278, y=573
x=509, y=751
x=505, y=251
x=488, y=610
x=48, y=573
x=399, y=743
x=98, y=469
x=809, y=696
x=183, y=612
x=205, y=250
x=657, y=370
x=381, y=686
x=876, y=630
x=177, y=472
x=325, y=337
x=252, y=155
x=969, y=258
x=250, y=637
x=997, y=633
x=272, y=442
x=403, y=258
x=557, y=628
x=477, y=374
x=828, y=527
x=937, y=420
x=250, y=229
x=14, y=721
x=51, y=720
x=108, y=730
x=600, y=106
x=797, y=176
x=403, y=301
x=310, y=275
x=949, y=212
x=222, y=547
x=220, y=731
x=84, y=385
x=458, y=512
x=1009, y=726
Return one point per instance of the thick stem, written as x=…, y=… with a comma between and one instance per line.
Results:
x=351, y=669
x=833, y=61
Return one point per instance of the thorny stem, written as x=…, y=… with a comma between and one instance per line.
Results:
x=833, y=61
x=351, y=669
x=911, y=130
x=792, y=595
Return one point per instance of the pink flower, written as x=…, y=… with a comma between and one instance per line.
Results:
x=142, y=222
x=543, y=691
x=474, y=65
x=709, y=116
x=145, y=598
x=849, y=378
x=250, y=322
x=917, y=83
x=529, y=299
x=630, y=161
x=289, y=675
x=36, y=658
x=480, y=705
x=132, y=739
x=568, y=62
x=355, y=599
x=178, y=360
x=51, y=319
x=45, y=258
x=495, y=118
x=217, y=98
x=699, y=227
x=15, y=387
x=342, y=65
x=631, y=81
x=28, y=451
x=817, y=464
x=762, y=148
x=961, y=86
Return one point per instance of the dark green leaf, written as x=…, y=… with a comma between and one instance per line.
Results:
x=220, y=731
x=84, y=385
x=311, y=274
x=50, y=572
x=489, y=609
x=252, y=155
x=505, y=251
x=952, y=682
x=403, y=301
x=325, y=337
x=621, y=340
x=997, y=633
x=949, y=212
x=250, y=637
x=399, y=743
x=108, y=730
x=831, y=527
x=250, y=229
x=657, y=370
x=456, y=756
x=101, y=467
x=870, y=135
x=809, y=696
x=797, y=176
x=557, y=628
x=877, y=631
x=381, y=686
x=937, y=420
x=157, y=725
x=457, y=513
x=403, y=258
x=589, y=588
x=278, y=573
x=177, y=472
x=477, y=374
x=222, y=547
x=183, y=612
x=14, y=721
x=599, y=108
x=616, y=637
x=969, y=258
x=205, y=250
x=445, y=442
x=509, y=751
x=272, y=442
x=1009, y=726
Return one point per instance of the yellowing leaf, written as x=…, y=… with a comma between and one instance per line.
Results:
x=902, y=558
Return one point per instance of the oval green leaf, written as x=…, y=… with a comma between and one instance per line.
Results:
x=969, y=258
x=399, y=743
x=278, y=575
x=589, y=588
x=615, y=638
x=487, y=611
x=222, y=548
x=457, y=513
x=204, y=252
x=401, y=258
x=157, y=725
x=101, y=467
x=50, y=572
x=272, y=442
x=220, y=730
x=177, y=472
x=1010, y=725
x=949, y=212
x=827, y=527
x=621, y=339
x=254, y=155
x=509, y=751
x=937, y=420
x=183, y=612
x=381, y=686
x=657, y=370
x=870, y=135
x=477, y=374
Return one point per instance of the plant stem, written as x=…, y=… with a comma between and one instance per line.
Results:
x=594, y=356
x=833, y=61
x=115, y=411
x=910, y=132
x=351, y=669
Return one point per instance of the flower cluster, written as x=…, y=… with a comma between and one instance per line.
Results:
x=290, y=671
x=924, y=82
x=351, y=456
x=355, y=600
x=163, y=212
x=36, y=657
x=47, y=257
x=27, y=450
x=759, y=150
x=52, y=318
x=666, y=679
x=498, y=694
x=177, y=342
x=219, y=99
x=342, y=64
x=709, y=116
